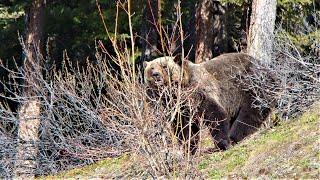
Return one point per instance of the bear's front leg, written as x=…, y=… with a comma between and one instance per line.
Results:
x=215, y=117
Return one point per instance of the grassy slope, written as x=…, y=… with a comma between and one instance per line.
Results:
x=290, y=150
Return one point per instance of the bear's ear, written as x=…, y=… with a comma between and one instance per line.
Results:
x=185, y=63
x=145, y=64
x=177, y=59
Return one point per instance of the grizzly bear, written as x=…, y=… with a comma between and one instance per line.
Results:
x=225, y=104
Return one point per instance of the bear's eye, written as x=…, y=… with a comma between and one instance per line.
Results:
x=164, y=66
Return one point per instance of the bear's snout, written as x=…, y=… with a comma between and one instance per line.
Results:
x=156, y=76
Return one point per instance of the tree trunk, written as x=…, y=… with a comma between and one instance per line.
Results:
x=204, y=30
x=149, y=30
x=214, y=42
x=29, y=113
x=219, y=29
x=261, y=30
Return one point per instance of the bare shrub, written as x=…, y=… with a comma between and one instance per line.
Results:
x=97, y=111
x=71, y=131
x=89, y=114
x=291, y=82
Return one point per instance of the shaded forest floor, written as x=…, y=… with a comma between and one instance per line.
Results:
x=290, y=150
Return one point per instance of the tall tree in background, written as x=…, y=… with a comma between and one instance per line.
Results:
x=29, y=113
x=204, y=30
x=149, y=30
x=210, y=30
x=219, y=29
x=262, y=24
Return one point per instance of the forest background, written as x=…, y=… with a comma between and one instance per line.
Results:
x=75, y=26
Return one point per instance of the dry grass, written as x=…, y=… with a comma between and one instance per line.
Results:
x=290, y=150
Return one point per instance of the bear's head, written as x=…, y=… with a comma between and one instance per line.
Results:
x=164, y=71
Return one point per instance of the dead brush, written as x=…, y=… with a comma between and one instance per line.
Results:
x=291, y=83
x=145, y=123
x=88, y=113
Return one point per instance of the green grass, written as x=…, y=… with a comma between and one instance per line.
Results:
x=290, y=150
x=100, y=169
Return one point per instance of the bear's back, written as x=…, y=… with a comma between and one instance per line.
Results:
x=229, y=65
x=220, y=79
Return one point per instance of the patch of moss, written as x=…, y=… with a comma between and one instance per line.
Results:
x=304, y=163
x=216, y=174
x=239, y=159
x=278, y=136
x=108, y=165
x=230, y=159
x=203, y=164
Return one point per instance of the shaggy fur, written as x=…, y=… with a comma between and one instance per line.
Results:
x=226, y=107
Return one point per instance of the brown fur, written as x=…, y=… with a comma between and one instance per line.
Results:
x=226, y=107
